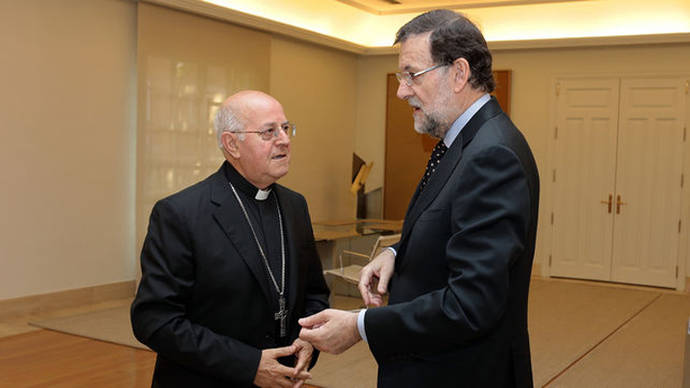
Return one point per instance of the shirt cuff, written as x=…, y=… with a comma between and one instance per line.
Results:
x=392, y=250
x=360, y=325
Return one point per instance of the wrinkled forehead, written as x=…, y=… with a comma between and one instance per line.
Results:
x=415, y=52
x=263, y=111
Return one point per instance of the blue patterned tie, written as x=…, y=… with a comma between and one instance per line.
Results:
x=435, y=158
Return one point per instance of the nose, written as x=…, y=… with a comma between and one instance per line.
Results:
x=283, y=138
x=404, y=91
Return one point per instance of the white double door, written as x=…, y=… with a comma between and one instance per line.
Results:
x=617, y=179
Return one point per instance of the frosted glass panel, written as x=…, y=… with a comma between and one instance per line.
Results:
x=188, y=65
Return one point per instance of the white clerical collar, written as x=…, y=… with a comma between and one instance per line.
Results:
x=262, y=195
x=244, y=185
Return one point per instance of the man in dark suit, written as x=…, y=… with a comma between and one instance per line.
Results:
x=229, y=264
x=459, y=277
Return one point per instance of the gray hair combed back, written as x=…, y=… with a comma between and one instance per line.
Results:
x=454, y=36
x=227, y=120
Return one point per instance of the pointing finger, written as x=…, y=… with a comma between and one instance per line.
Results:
x=312, y=320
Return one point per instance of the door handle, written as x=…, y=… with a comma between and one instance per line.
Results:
x=619, y=203
x=609, y=202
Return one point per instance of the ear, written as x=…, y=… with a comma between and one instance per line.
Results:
x=229, y=141
x=461, y=70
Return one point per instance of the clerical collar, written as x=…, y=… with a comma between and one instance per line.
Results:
x=243, y=184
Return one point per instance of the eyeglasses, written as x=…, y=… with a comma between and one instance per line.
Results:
x=409, y=77
x=271, y=133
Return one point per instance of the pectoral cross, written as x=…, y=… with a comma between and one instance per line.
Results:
x=282, y=315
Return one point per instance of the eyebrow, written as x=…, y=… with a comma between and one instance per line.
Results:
x=273, y=123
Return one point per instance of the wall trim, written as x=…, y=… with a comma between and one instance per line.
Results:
x=66, y=299
x=537, y=270
x=600, y=41
x=244, y=19
x=229, y=15
x=562, y=43
x=392, y=9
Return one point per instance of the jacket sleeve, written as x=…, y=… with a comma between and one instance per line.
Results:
x=490, y=213
x=158, y=313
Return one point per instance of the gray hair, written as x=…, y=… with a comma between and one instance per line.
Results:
x=454, y=36
x=227, y=120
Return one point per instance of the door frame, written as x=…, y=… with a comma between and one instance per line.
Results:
x=548, y=192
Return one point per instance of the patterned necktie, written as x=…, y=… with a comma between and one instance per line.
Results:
x=436, y=155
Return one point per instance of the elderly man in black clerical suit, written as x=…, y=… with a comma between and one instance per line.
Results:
x=459, y=277
x=229, y=264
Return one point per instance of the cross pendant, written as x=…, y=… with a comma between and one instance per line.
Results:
x=282, y=316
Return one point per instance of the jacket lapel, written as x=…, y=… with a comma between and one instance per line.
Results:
x=422, y=199
x=231, y=219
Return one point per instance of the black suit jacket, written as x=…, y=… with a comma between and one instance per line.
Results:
x=204, y=303
x=457, y=313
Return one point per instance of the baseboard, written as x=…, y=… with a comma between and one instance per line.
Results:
x=536, y=269
x=66, y=299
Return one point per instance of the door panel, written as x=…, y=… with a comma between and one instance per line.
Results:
x=648, y=178
x=406, y=154
x=587, y=121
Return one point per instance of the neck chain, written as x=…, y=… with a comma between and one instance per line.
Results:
x=281, y=315
x=280, y=290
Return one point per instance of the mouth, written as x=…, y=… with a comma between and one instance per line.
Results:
x=279, y=157
x=415, y=108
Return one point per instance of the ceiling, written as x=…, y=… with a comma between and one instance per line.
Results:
x=387, y=7
x=369, y=26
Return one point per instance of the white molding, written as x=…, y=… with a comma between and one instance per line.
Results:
x=236, y=17
x=684, y=242
x=545, y=44
x=625, y=40
x=392, y=9
x=32, y=304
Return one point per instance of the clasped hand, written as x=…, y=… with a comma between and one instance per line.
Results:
x=271, y=373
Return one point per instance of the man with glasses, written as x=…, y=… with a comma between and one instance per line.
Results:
x=229, y=264
x=459, y=277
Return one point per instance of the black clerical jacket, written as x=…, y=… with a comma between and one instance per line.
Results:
x=205, y=303
x=457, y=314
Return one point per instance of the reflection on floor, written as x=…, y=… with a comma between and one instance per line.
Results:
x=583, y=334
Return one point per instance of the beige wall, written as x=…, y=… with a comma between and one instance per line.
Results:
x=187, y=66
x=67, y=151
x=67, y=115
x=317, y=87
x=533, y=74
x=370, y=133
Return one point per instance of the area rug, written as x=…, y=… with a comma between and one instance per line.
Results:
x=567, y=320
x=111, y=325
